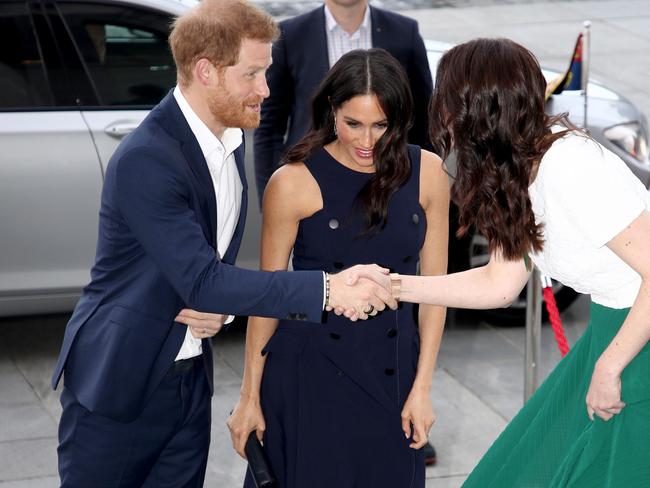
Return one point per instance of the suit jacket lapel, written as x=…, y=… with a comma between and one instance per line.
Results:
x=318, y=44
x=199, y=167
x=175, y=123
x=233, y=248
x=379, y=36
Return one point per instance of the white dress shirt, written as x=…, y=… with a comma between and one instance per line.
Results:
x=340, y=42
x=227, y=189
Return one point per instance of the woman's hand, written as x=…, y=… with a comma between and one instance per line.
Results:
x=418, y=413
x=604, y=395
x=202, y=325
x=246, y=417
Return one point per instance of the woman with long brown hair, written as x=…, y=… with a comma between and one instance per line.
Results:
x=539, y=189
x=340, y=404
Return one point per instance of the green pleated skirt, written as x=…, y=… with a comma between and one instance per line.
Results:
x=551, y=443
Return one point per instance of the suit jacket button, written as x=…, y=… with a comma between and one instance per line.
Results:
x=389, y=371
x=334, y=224
x=340, y=373
x=391, y=333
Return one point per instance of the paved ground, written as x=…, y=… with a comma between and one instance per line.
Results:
x=479, y=384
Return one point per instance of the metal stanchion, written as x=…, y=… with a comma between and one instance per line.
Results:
x=533, y=333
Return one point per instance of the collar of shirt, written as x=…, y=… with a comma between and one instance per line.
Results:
x=231, y=139
x=332, y=24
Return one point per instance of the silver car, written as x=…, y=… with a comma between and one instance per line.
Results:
x=75, y=78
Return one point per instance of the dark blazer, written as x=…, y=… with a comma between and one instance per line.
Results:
x=300, y=62
x=156, y=255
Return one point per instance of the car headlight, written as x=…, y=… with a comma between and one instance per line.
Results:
x=631, y=138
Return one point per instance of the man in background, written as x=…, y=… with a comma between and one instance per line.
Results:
x=308, y=47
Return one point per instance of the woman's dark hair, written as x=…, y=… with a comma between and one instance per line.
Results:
x=488, y=108
x=364, y=72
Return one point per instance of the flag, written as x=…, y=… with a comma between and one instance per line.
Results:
x=573, y=79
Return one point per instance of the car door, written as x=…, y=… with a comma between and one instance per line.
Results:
x=50, y=177
x=126, y=55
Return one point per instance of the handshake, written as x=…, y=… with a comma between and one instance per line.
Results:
x=361, y=291
x=357, y=293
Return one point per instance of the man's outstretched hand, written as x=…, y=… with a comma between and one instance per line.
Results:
x=360, y=291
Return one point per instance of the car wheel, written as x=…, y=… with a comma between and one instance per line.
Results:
x=515, y=315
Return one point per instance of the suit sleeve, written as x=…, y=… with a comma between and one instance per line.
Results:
x=269, y=137
x=154, y=201
x=422, y=87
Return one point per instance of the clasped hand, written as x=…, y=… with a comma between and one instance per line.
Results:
x=604, y=394
x=201, y=324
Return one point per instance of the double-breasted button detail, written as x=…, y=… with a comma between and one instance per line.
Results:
x=391, y=333
x=407, y=259
x=389, y=371
x=334, y=224
x=296, y=316
x=415, y=218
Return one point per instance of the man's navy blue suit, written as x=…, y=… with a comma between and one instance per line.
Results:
x=300, y=62
x=155, y=256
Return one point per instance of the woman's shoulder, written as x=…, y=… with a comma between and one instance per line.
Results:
x=293, y=185
x=571, y=144
x=578, y=167
x=431, y=166
x=434, y=179
x=573, y=155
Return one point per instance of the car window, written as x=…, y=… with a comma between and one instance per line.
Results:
x=125, y=50
x=23, y=83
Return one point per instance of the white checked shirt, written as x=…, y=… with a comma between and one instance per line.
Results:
x=227, y=189
x=340, y=42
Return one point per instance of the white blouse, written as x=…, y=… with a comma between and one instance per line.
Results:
x=585, y=195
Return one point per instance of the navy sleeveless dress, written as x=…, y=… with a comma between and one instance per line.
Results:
x=332, y=393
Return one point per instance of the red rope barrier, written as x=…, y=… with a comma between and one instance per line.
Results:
x=556, y=322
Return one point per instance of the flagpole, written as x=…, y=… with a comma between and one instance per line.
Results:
x=586, y=59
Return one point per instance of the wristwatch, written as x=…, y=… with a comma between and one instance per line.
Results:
x=395, y=285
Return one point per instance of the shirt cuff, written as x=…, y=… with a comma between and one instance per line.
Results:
x=324, y=290
x=229, y=319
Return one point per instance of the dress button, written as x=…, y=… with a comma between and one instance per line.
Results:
x=416, y=218
x=389, y=371
x=338, y=265
x=335, y=336
x=391, y=333
x=334, y=224
x=407, y=259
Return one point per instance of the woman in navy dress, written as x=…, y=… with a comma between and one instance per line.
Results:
x=347, y=404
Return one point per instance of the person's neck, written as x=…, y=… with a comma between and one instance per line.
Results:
x=197, y=101
x=348, y=17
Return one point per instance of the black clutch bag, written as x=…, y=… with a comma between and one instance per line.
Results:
x=258, y=464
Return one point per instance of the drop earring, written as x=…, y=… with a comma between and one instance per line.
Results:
x=335, y=131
